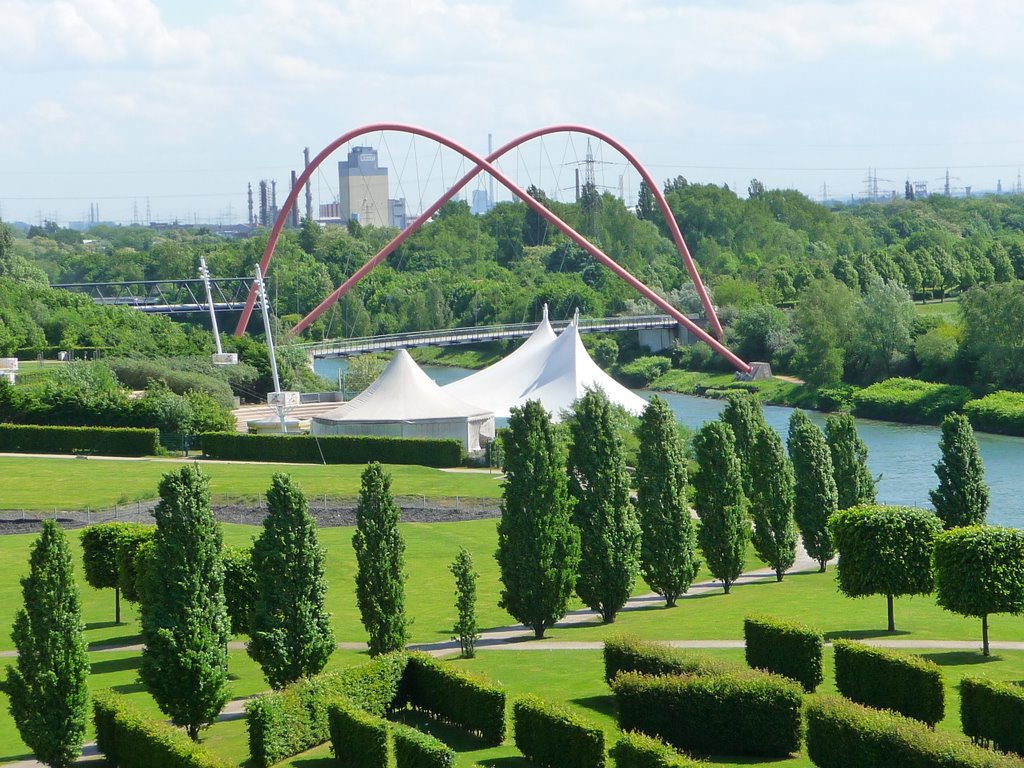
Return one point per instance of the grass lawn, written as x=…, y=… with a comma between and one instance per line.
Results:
x=42, y=484
x=775, y=391
x=948, y=310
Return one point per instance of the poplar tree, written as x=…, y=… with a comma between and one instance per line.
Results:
x=854, y=483
x=962, y=496
x=771, y=502
x=719, y=502
x=185, y=625
x=743, y=413
x=46, y=684
x=290, y=631
x=668, y=547
x=380, y=563
x=815, y=497
x=538, y=545
x=465, y=602
x=604, y=513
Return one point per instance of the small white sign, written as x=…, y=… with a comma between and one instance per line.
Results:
x=225, y=358
x=8, y=363
x=285, y=399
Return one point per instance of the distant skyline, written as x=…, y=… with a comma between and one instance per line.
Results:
x=174, y=107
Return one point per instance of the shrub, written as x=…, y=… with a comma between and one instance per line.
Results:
x=358, y=739
x=992, y=713
x=294, y=719
x=415, y=749
x=451, y=695
x=785, y=648
x=842, y=734
x=108, y=441
x=553, y=737
x=635, y=750
x=919, y=402
x=131, y=740
x=885, y=679
x=631, y=654
x=332, y=449
x=1001, y=412
x=752, y=713
x=643, y=370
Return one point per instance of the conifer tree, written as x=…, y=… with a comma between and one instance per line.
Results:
x=854, y=483
x=771, y=502
x=719, y=502
x=668, y=547
x=538, y=545
x=185, y=623
x=290, y=631
x=608, y=522
x=46, y=685
x=962, y=496
x=743, y=413
x=815, y=497
x=465, y=602
x=380, y=561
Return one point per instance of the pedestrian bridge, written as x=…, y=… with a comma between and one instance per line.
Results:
x=478, y=335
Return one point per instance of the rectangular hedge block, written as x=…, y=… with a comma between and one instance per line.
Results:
x=333, y=449
x=553, y=737
x=631, y=654
x=992, y=713
x=358, y=739
x=791, y=650
x=414, y=749
x=636, y=750
x=108, y=441
x=885, y=679
x=451, y=695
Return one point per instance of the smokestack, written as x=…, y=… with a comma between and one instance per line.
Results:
x=294, y=215
x=309, y=192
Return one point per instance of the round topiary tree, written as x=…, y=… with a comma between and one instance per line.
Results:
x=100, y=546
x=884, y=551
x=979, y=570
x=962, y=495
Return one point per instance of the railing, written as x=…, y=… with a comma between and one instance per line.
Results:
x=167, y=296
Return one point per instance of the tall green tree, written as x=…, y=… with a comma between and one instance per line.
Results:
x=668, y=547
x=290, y=633
x=719, y=502
x=465, y=601
x=962, y=496
x=743, y=413
x=979, y=570
x=185, y=625
x=771, y=502
x=46, y=684
x=538, y=545
x=884, y=551
x=100, y=546
x=854, y=483
x=815, y=495
x=380, y=562
x=604, y=513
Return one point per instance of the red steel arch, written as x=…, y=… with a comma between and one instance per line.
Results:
x=486, y=165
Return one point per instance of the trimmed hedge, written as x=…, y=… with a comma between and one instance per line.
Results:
x=358, y=739
x=754, y=713
x=885, y=679
x=336, y=449
x=129, y=560
x=1001, y=412
x=842, y=734
x=294, y=719
x=992, y=713
x=636, y=750
x=626, y=653
x=451, y=695
x=415, y=749
x=910, y=400
x=554, y=737
x=108, y=441
x=785, y=648
x=131, y=740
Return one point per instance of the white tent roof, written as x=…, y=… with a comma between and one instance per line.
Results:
x=403, y=392
x=499, y=386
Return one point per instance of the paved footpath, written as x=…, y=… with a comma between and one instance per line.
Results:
x=519, y=638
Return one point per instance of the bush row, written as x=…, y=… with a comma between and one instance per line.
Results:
x=753, y=713
x=637, y=750
x=992, y=713
x=910, y=400
x=358, y=739
x=554, y=737
x=791, y=650
x=842, y=734
x=885, y=679
x=415, y=749
x=453, y=696
x=109, y=441
x=1001, y=412
x=131, y=740
x=631, y=654
x=332, y=449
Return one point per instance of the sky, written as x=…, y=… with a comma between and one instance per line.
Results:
x=163, y=110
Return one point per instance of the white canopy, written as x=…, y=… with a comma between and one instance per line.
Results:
x=404, y=402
